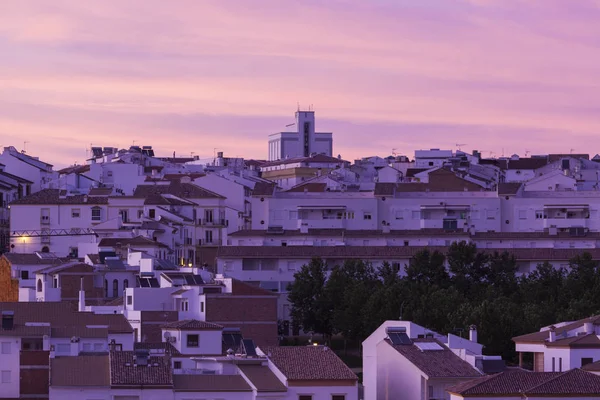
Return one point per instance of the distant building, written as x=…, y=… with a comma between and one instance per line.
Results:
x=302, y=143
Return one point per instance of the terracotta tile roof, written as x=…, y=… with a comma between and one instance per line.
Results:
x=123, y=372
x=305, y=252
x=575, y=382
x=60, y=315
x=192, y=176
x=71, y=265
x=79, y=371
x=411, y=172
x=527, y=163
x=138, y=241
x=191, y=325
x=162, y=200
x=262, y=378
x=100, y=192
x=74, y=169
x=30, y=259
x=541, y=337
x=318, y=158
x=436, y=363
x=263, y=189
x=78, y=331
x=309, y=363
x=239, y=288
x=167, y=348
x=508, y=189
x=210, y=383
x=52, y=196
x=175, y=188
x=94, y=258
x=385, y=189
x=581, y=341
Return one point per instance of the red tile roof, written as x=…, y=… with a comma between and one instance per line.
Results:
x=79, y=371
x=192, y=325
x=309, y=363
x=262, y=378
x=542, y=336
x=138, y=241
x=52, y=197
x=575, y=382
x=436, y=363
x=210, y=383
x=176, y=188
x=124, y=372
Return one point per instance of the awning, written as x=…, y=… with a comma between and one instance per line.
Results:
x=338, y=207
x=445, y=207
x=568, y=207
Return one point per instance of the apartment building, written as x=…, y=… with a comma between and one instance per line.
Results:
x=31, y=169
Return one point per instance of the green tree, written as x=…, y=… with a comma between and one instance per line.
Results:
x=427, y=267
x=310, y=307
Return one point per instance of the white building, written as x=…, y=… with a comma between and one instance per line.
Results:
x=562, y=346
x=302, y=143
x=27, y=167
x=404, y=360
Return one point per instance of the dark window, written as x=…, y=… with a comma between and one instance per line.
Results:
x=125, y=284
x=105, y=288
x=338, y=397
x=450, y=224
x=152, y=213
x=305, y=397
x=586, y=360
x=25, y=274
x=129, y=300
x=201, y=306
x=193, y=341
x=96, y=214
x=177, y=365
x=45, y=249
x=115, y=288
x=39, y=285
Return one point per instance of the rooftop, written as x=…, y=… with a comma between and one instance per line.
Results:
x=309, y=363
x=125, y=372
x=53, y=197
x=175, y=188
x=80, y=371
x=210, y=383
x=192, y=325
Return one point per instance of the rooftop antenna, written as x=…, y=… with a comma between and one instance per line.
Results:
x=25, y=146
x=133, y=144
x=572, y=150
x=459, y=145
x=298, y=106
x=394, y=152
x=527, y=152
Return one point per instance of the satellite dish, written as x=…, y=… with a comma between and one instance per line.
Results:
x=167, y=335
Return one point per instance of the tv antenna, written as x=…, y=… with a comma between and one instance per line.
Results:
x=459, y=145
x=572, y=150
x=394, y=152
x=527, y=152
x=25, y=146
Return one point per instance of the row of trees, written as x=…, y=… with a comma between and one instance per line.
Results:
x=445, y=293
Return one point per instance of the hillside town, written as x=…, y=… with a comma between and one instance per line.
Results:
x=442, y=274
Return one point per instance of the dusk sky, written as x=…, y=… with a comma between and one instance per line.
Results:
x=195, y=75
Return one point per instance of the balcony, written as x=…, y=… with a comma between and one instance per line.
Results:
x=441, y=223
x=219, y=222
x=565, y=222
x=321, y=223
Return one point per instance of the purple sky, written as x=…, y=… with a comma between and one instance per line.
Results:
x=194, y=75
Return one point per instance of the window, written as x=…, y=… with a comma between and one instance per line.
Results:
x=55, y=282
x=125, y=284
x=522, y=214
x=201, y=306
x=399, y=214
x=5, y=376
x=349, y=214
x=124, y=215
x=431, y=396
x=208, y=215
x=129, y=300
x=98, y=346
x=338, y=397
x=367, y=216
x=554, y=362
x=152, y=213
x=209, y=236
x=291, y=266
x=25, y=274
x=39, y=285
x=185, y=305
x=305, y=397
x=586, y=360
x=560, y=364
x=416, y=215
x=87, y=347
x=5, y=347
x=193, y=341
x=177, y=365
x=140, y=214
x=75, y=212
x=115, y=288
x=96, y=214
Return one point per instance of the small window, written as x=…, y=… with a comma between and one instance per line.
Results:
x=25, y=274
x=305, y=397
x=338, y=397
x=152, y=213
x=75, y=213
x=184, y=305
x=201, y=306
x=39, y=285
x=129, y=300
x=5, y=376
x=586, y=361
x=367, y=216
x=177, y=365
x=96, y=214
x=109, y=173
x=193, y=341
x=209, y=236
x=98, y=346
x=6, y=347
x=125, y=284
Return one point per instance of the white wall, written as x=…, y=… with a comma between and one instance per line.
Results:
x=10, y=362
x=324, y=392
x=397, y=378
x=209, y=343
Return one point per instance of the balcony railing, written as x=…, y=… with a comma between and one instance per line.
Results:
x=565, y=222
x=219, y=222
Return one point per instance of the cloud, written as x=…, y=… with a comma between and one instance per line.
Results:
x=431, y=73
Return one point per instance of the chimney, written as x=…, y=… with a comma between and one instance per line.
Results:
x=8, y=320
x=473, y=333
x=552, y=337
x=81, y=296
x=588, y=327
